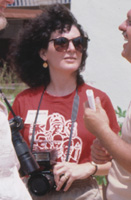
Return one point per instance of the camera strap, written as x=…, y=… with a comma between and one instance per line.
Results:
x=73, y=119
x=34, y=125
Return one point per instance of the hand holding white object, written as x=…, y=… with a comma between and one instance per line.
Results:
x=91, y=100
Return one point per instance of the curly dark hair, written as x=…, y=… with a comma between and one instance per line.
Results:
x=24, y=51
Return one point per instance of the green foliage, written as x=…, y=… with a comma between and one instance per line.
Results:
x=10, y=83
x=7, y=75
x=101, y=180
x=121, y=114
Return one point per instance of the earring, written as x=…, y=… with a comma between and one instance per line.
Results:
x=45, y=64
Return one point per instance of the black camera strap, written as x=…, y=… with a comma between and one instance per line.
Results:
x=73, y=119
x=36, y=117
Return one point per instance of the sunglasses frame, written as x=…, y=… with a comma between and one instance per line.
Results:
x=60, y=48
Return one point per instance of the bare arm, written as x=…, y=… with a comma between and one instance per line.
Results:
x=97, y=123
x=66, y=172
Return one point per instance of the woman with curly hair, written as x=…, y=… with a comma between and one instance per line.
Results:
x=49, y=55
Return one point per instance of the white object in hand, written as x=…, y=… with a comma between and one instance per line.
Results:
x=91, y=100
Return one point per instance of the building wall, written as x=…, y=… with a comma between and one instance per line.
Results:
x=28, y=3
x=106, y=69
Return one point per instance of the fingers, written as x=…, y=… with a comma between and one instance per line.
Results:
x=98, y=153
x=58, y=172
x=98, y=101
x=96, y=145
x=61, y=176
x=88, y=112
x=98, y=104
x=100, y=158
x=86, y=104
x=64, y=183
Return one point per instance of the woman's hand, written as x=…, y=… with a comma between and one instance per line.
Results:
x=65, y=173
x=98, y=153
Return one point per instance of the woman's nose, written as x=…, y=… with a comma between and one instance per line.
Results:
x=71, y=46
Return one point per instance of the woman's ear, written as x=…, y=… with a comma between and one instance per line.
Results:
x=42, y=54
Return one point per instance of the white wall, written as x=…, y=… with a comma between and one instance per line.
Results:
x=106, y=69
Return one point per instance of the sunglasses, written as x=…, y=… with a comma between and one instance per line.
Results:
x=61, y=44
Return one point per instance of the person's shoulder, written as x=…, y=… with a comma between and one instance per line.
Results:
x=29, y=92
x=97, y=92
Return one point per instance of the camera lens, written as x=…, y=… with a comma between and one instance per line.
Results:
x=39, y=183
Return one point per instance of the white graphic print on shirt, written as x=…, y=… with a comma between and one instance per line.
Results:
x=54, y=134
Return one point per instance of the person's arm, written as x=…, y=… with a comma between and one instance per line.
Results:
x=98, y=153
x=3, y=108
x=66, y=172
x=97, y=123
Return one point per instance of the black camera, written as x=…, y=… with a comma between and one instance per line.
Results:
x=27, y=161
x=37, y=165
x=42, y=181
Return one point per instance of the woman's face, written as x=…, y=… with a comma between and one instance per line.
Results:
x=67, y=61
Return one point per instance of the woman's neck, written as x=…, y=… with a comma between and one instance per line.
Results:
x=61, y=87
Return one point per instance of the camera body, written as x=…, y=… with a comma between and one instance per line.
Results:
x=42, y=181
x=38, y=165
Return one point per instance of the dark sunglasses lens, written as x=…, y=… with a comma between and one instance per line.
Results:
x=61, y=44
x=80, y=43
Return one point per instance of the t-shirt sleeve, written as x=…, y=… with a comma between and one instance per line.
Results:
x=107, y=105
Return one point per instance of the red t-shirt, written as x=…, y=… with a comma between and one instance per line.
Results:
x=54, y=121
